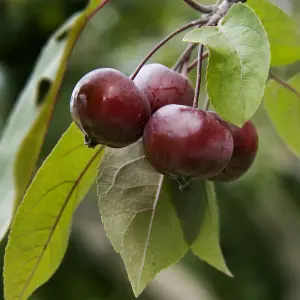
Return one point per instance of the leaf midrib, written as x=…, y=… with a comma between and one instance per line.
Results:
x=159, y=188
x=222, y=30
x=58, y=218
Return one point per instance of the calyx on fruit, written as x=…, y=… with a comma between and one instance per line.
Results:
x=184, y=141
x=109, y=108
x=163, y=86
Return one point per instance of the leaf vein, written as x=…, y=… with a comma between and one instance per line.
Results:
x=159, y=188
x=57, y=220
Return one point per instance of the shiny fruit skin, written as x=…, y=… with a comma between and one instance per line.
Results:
x=163, y=86
x=245, y=141
x=109, y=109
x=184, y=141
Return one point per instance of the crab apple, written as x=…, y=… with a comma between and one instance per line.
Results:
x=109, y=109
x=245, y=141
x=184, y=141
x=163, y=86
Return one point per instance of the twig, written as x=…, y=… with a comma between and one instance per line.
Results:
x=209, y=20
x=184, y=56
x=184, y=68
x=206, y=103
x=199, y=76
x=193, y=64
x=200, y=7
x=284, y=83
x=214, y=18
x=201, y=21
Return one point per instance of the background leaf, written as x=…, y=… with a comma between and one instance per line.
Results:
x=207, y=245
x=138, y=215
x=283, y=32
x=283, y=107
x=40, y=231
x=25, y=131
x=238, y=63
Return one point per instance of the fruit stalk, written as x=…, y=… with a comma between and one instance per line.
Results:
x=210, y=19
x=199, y=76
x=206, y=103
x=184, y=56
x=184, y=68
x=194, y=63
x=200, y=7
x=201, y=21
x=216, y=14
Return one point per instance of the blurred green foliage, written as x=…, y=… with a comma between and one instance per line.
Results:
x=260, y=214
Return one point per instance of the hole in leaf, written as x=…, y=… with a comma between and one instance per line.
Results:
x=43, y=89
x=62, y=35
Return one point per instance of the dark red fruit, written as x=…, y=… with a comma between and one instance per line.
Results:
x=245, y=148
x=163, y=86
x=109, y=109
x=185, y=141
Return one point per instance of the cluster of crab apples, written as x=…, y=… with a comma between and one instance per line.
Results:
x=179, y=140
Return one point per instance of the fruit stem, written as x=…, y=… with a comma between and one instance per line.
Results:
x=184, y=67
x=183, y=182
x=284, y=83
x=206, y=103
x=194, y=23
x=199, y=76
x=184, y=56
x=200, y=7
x=214, y=17
x=194, y=63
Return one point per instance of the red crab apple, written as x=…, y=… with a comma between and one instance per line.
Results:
x=184, y=141
x=109, y=108
x=245, y=141
x=163, y=86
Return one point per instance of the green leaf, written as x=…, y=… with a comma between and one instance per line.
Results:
x=207, y=245
x=150, y=221
x=239, y=60
x=25, y=131
x=190, y=206
x=282, y=30
x=40, y=230
x=138, y=215
x=283, y=107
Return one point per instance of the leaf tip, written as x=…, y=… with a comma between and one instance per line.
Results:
x=137, y=289
x=227, y=272
x=221, y=266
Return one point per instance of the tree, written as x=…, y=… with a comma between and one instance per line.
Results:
x=148, y=219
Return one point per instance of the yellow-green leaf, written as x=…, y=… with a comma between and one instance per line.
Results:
x=282, y=30
x=283, y=107
x=24, y=133
x=40, y=230
x=207, y=245
x=239, y=61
